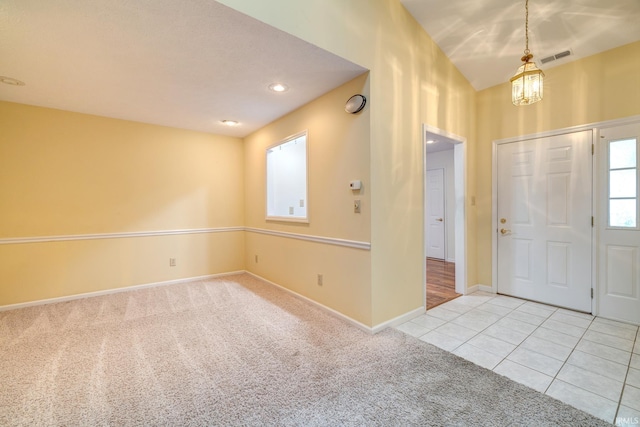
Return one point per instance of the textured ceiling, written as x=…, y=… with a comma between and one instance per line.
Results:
x=485, y=38
x=186, y=64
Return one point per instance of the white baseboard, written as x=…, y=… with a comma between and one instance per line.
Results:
x=372, y=330
x=112, y=291
x=354, y=322
x=399, y=320
x=475, y=288
x=471, y=289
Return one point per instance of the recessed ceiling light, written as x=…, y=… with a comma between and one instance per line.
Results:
x=278, y=87
x=229, y=122
x=431, y=141
x=11, y=81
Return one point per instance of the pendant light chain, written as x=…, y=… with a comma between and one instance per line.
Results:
x=527, y=83
x=526, y=27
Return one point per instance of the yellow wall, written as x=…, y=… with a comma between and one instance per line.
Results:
x=338, y=152
x=64, y=173
x=411, y=82
x=36, y=271
x=67, y=173
x=594, y=89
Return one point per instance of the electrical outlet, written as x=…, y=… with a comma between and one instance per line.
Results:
x=290, y=210
x=356, y=206
x=319, y=279
x=172, y=262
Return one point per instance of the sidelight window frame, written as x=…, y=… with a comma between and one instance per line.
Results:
x=614, y=195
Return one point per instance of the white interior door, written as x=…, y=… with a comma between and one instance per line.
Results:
x=435, y=213
x=544, y=219
x=619, y=224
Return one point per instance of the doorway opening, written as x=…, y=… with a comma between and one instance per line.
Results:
x=441, y=285
x=444, y=216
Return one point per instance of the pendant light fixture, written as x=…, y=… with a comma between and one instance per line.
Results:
x=526, y=84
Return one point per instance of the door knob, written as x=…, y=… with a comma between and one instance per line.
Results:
x=439, y=219
x=504, y=231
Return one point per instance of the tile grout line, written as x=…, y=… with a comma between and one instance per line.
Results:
x=573, y=349
x=529, y=335
x=565, y=361
x=460, y=314
x=512, y=310
x=624, y=382
x=619, y=400
x=481, y=331
x=518, y=346
x=501, y=318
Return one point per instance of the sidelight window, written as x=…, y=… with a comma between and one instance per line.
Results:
x=623, y=183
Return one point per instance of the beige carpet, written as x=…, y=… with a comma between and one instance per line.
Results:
x=237, y=351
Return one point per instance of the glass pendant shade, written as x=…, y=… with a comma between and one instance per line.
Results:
x=527, y=84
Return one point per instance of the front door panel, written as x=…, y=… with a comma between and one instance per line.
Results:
x=544, y=220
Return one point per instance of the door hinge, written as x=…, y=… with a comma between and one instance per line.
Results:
x=592, y=222
x=591, y=293
x=593, y=149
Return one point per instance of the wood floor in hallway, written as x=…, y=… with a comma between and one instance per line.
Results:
x=441, y=282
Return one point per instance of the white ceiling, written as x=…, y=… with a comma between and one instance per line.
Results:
x=486, y=38
x=439, y=143
x=185, y=64
x=190, y=64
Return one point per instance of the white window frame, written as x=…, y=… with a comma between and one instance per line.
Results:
x=608, y=186
x=271, y=180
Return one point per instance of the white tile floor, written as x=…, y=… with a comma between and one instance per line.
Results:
x=587, y=362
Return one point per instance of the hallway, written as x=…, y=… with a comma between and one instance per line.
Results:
x=441, y=283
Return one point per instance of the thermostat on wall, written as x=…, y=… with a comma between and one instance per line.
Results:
x=355, y=185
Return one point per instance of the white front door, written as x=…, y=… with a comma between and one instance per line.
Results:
x=544, y=219
x=435, y=213
x=619, y=224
